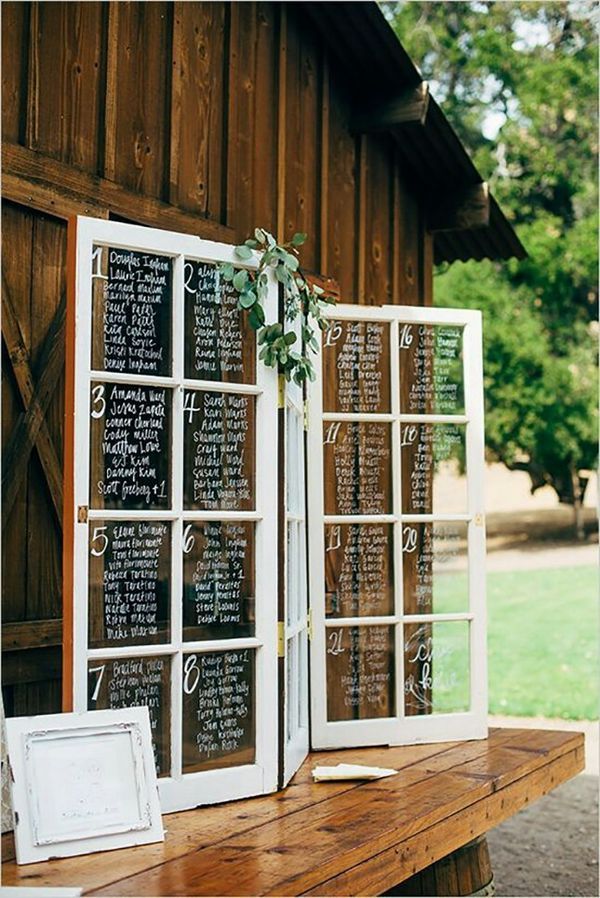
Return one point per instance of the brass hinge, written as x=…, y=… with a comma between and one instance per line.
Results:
x=306, y=414
x=281, y=391
x=281, y=639
x=82, y=514
x=309, y=624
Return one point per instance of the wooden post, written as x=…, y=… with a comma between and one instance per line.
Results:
x=467, y=871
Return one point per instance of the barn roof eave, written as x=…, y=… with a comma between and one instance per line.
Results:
x=376, y=64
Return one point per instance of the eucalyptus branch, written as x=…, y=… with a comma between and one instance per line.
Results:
x=301, y=299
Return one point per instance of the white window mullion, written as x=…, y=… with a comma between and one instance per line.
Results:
x=177, y=527
x=295, y=699
x=475, y=447
x=397, y=508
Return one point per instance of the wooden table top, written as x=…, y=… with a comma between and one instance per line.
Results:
x=343, y=838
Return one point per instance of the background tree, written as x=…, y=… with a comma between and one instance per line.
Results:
x=519, y=83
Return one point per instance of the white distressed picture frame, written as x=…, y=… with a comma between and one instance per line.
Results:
x=82, y=782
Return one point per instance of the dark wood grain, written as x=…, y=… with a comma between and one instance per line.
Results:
x=50, y=186
x=15, y=48
x=198, y=112
x=138, y=96
x=409, y=107
x=66, y=68
x=340, y=231
x=21, y=369
x=253, y=129
x=302, y=110
x=31, y=634
x=378, y=225
x=17, y=228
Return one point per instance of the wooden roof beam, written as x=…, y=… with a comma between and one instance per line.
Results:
x=460, y=210
x=409, y=108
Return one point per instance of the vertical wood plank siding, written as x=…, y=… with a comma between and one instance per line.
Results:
x=235, y=113
x=64, y=86
x=138, y=96
x=198, y=108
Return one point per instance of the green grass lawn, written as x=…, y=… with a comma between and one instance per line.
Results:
x=543, y=641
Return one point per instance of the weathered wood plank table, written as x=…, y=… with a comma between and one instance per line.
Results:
x=333, y=838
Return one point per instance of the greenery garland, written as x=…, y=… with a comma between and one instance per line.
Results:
x=300, y=299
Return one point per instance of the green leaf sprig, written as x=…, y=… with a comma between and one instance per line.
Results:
x=300, y=299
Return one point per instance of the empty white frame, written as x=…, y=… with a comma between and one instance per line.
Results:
x=398, y=653
x=171, y=473
x=82, y=782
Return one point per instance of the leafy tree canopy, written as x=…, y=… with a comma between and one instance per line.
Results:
x=518, y=82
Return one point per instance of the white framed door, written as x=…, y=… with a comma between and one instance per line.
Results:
x=396, y=533
x=295, y=626
x=170, y=507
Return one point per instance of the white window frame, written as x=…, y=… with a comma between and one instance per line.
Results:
x=402, y=729
x=178, y=791
x=296, y=630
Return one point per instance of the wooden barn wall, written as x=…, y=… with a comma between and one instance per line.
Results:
x=209, y=118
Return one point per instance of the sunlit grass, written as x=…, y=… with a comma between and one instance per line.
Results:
x=543, y=641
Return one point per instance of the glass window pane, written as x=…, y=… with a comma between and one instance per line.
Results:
x=357, y=468
x=218, y=580
x=129, y=682
x=302, y=602
x=219, y=342
x=360, y=673
x=431, y=369
x=292, y=572
x=218, y=710
x=219, y=447
x=436, y=667
x=359, y=570
x=292, y=683
x=434, y=568
x=303, y=679
x=432, y=459
x=130, y=440
x=129, y=576
x=131, y=311
x=356, y=367
x=294, y=462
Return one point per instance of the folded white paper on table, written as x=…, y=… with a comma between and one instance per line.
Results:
x=350, y=772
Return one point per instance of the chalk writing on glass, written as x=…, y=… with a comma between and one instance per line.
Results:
x=356, y=367
x=219, y=727
x=436, y=667
x=218, y=581
x=431, y=369
x=129, y=573
x=129, y=682
x=219, y=343
x=360, y=673
x=129, y=446
x=432, y=456
x=219, y=440
x=131, y=331
x=357, y=468
x=435, y=573
x=358, y=570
